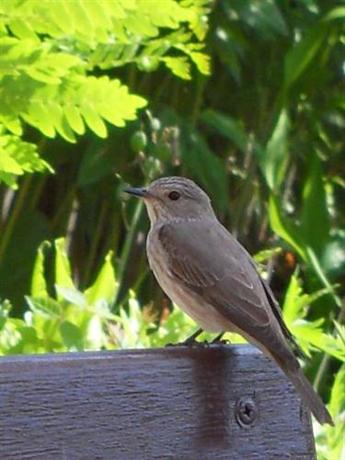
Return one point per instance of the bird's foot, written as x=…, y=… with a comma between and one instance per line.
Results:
x=190, y=341
x=219, y=341
x=195, y=343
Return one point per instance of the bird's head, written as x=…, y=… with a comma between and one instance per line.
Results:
x=172, y=198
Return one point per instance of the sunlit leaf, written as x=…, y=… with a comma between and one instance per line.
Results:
x=44, y=306
x=267, y=254
x=38, y=282
x=285, y=229
x=71, y=336
x=105, y=285
x=71, y=295
x=63, y=275
x=275, y=158
x=179, y=66
x=18, y=157
x=299, y=57
x=335, y=13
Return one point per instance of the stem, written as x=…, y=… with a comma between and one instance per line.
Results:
x=161, y=88
x=143, y=274
x=18, y=205
x=245, y=197
x=200, y=86
x=95, y=241
x=124, y=258
x=326, y=357
x=36, y=192
x=65, y=204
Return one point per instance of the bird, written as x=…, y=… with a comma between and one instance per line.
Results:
x=204, y=270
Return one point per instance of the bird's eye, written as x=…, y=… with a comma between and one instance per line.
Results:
x=174, y=195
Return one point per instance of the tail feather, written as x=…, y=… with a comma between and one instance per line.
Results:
x=309, y=396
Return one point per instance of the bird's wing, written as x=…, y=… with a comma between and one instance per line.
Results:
x=209, y=261
x=278, y=314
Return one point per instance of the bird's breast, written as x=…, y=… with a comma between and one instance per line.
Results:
x=205, y=315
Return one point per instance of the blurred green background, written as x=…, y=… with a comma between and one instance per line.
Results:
x=246, y=97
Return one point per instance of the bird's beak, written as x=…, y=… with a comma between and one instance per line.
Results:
x=136, y=191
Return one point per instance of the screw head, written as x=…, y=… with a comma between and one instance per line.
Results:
x=245, y=411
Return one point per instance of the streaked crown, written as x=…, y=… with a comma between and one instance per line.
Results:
x=176, y=197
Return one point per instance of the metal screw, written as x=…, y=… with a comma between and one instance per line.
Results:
x=245, y=411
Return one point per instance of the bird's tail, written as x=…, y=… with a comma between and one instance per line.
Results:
x=309, y=396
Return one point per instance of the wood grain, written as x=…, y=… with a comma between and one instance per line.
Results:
x=216, y=402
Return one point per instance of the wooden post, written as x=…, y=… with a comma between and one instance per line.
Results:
x=217, y=402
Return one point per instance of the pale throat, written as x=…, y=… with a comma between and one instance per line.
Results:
x=160, y=214
x=157, y=213
x=151, y=211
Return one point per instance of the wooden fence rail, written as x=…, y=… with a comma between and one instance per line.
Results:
x=218, y=402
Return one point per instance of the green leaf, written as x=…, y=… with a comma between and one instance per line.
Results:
x=309, y=335
x=40, y=116
x=296, y=301
x=285, y=229
x=63, y=276
x=202, y=62
x=333, y=256
x=38, y=283
x=315, y=225
x=9, y=179
x=314, y=262
x=57, y=117
x=71, y=336
x=44, y=307
x=7, y=163
x=22, y=29
x=5, y=308
x=301, y=55
x=179, y=66
x=264, y=17
x=95, y=335
x=337, y=409
x=93, y=120
x=227, y=126
x=275, y=158
x=105, y=286
x=71, y=295
x=266, y=254
x=74, y=119
x=335, y=13
x=18, y=157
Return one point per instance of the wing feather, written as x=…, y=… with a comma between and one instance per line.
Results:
x=208, y=260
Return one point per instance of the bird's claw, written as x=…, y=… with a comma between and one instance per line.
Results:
x=220, y=342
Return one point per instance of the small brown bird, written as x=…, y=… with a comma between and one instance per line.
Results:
x=206, y=272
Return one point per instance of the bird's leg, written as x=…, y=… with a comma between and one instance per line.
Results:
x=190, y=340
x=218, y=339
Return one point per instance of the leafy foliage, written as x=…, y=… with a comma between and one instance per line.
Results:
x=70, y=320
x=309, y=334
x=47, y=51
x=18, y=157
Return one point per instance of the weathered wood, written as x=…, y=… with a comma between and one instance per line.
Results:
x=220, y=402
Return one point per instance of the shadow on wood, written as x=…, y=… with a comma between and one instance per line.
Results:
x=217, y=402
